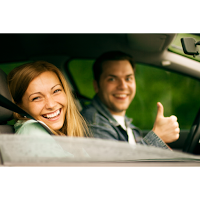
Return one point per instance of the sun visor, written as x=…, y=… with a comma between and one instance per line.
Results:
x=149, y=42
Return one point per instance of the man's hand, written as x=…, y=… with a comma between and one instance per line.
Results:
x=167, y=128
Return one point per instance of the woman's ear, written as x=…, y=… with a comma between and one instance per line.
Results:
x=95, y=85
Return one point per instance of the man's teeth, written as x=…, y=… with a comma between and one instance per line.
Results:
x=120, y=95
x=49, y=116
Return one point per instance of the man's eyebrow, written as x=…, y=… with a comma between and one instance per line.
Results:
x=130, y=75
x=117, y=76
x=112, y=75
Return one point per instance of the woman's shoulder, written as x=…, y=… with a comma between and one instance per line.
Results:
x=29, y=127
x=49, y=147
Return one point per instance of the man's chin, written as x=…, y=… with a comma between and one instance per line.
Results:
x=118, y=111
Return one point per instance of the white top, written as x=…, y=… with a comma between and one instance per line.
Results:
x=121, y=121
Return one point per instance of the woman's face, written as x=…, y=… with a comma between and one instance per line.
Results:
x=45, y=100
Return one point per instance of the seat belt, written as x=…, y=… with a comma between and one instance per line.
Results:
x=6, y=103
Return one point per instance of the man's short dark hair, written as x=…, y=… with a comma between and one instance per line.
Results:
x=108, y=56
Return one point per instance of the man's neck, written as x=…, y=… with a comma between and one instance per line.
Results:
x=118, y=113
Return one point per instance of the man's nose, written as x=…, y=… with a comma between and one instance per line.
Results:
x=122, y=84
x=50, y=102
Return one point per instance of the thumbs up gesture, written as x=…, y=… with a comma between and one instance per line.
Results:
x=167, y=128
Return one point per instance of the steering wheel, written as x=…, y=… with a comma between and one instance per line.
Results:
x=193, y=138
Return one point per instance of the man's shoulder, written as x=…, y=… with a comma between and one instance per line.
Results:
x=93, y=116
x=88, y=111
x=99, y=124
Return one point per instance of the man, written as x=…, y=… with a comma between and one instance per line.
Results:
x=115, y=87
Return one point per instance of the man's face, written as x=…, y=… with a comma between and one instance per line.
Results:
x=117, y=86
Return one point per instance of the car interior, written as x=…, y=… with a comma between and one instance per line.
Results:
x=5, y=114
x=163, y=72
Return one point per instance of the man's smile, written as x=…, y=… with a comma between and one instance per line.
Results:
x=120, y=96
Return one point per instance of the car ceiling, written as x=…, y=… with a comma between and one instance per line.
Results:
x=16, y=47
x=151, y=49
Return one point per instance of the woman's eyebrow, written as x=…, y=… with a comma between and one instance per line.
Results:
x=41, y=93
x=34, y=93
x=55, y=86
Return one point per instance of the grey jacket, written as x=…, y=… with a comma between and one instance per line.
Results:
x=103, y=125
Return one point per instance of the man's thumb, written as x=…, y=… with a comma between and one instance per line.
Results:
x=160, y=111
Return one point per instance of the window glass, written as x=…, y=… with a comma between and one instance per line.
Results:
x=179, y=94
x=7, y=67
x=176, y=45
x=81, y=71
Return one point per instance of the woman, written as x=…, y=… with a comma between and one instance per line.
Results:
x=41, y=90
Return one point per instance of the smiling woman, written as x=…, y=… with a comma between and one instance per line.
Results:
x=40, y=89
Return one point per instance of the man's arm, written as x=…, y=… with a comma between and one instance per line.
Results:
x=152, y=139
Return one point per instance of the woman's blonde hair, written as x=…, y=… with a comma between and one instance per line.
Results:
x=18, y=82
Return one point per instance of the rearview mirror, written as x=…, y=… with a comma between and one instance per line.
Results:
x=190, y=46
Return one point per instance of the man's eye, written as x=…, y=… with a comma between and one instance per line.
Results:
x=111, y=79
x=129, y=78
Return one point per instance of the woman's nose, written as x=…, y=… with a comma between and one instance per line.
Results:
x=50, y=102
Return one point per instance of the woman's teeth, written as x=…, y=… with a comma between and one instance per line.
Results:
x=49, y=116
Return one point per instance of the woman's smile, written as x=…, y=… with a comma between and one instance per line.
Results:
x=53, y=115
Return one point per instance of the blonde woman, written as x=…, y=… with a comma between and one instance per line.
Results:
x=41, y=90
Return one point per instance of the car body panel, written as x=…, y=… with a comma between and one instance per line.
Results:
x=23, y=151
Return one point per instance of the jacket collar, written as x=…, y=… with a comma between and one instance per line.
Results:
x=101, y=108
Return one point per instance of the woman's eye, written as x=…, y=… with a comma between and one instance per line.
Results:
x=36, y=98
x=58, y=90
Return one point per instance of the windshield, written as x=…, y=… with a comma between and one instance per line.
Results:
x=57, y=150
x=176, y=46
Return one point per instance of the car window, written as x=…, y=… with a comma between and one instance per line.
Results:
x=82, y=70
x=176, y=46
x=7, y=67
x=178, y=93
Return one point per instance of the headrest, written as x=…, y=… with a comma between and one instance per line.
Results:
x=5, y=114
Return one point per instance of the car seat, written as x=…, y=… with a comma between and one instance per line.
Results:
x=5, y=114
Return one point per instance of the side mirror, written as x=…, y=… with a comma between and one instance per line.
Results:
x=190, y=46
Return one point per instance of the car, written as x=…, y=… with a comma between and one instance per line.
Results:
x=163, y=73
